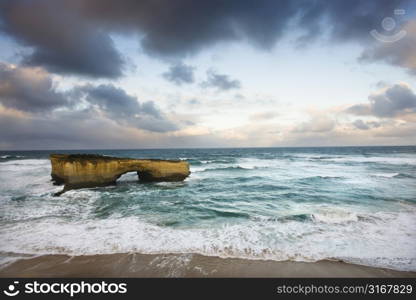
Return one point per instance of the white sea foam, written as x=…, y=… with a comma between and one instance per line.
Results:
x=25, y=162
x=374, y=159
x=26, y=174
x=386, y=175
x=9, y=156
x=213, y=166
x=335, y=216
x=242, y=163
x=377, y=243
x=256, y=163
x=23, y=165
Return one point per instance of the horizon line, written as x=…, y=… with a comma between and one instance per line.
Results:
x=194, y=148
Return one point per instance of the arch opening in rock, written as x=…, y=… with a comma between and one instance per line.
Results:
x=128, y=177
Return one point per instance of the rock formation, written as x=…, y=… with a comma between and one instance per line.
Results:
x=86, y=170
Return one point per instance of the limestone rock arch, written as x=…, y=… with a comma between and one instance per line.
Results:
x=87, y=170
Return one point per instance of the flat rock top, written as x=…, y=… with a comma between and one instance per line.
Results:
x=97, y=157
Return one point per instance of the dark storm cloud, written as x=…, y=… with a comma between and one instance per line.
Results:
x=180, y=73
x=395, y=100
x=185, y=26
x=69, y=130
x=400, y=53
x=220, y=81
x=115, y=100
x=32, y=90
x=61, y=39
x=72, y=36
x=86, y=130
x=124, y=108
x=29, y=89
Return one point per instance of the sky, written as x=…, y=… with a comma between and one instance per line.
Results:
x=102, y=74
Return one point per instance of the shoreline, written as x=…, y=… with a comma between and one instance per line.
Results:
x=184, y=265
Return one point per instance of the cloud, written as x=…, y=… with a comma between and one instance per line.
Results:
x=85, y=129
x=185, y=27
x=180, y=73
x=394, y=100
x=319, y=123
x=221, y=82
x=29, y=89
x=64, y=130
x=359, y=109
x=263, y=116
x=194, y=101
x=403, y=130
x=116, y=104
x=360, y=124
x=401, y=53
x=60, y=38
x=32, y=90
x=73, y=36
x=116, y=101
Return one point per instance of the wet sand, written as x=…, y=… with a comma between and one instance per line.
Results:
x=183, y=265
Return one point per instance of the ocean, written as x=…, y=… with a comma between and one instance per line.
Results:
x=355, y=204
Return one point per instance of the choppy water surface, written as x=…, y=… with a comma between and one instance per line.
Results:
x=357, y=204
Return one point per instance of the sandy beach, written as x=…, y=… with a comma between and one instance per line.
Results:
x=183, y=265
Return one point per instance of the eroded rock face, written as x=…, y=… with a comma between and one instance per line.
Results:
x=86, y=170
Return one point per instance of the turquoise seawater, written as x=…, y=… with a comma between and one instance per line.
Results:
x=357, y=204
